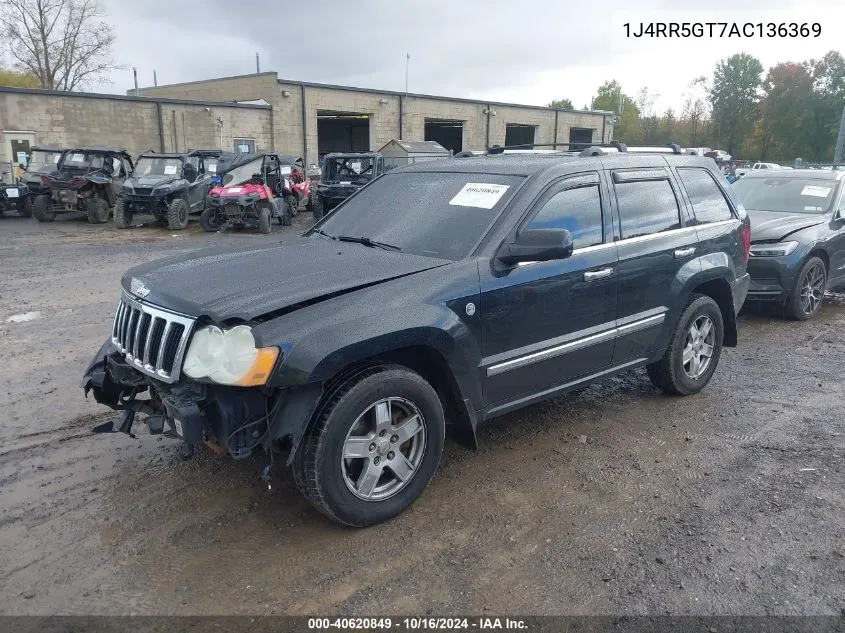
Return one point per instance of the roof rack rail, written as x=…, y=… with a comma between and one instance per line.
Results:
x=594, y=149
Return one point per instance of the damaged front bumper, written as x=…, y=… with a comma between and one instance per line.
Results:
x=232, y=420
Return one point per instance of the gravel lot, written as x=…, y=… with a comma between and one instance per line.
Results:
x=728, y=502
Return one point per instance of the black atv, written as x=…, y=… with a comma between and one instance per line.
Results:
x=167, y=186
x=343, y=175
x=87, y=179
x=19, y=197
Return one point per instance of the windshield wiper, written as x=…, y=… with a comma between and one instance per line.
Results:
x=321, y=232
x=366, y=241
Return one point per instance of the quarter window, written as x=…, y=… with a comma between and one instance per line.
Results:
x=646, y=207
x=578, y=210
x=707, y=199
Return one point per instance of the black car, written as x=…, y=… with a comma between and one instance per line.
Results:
x=797, y=236
x=19, y=196
x=87, y=179
x=341, y=176
x=449, y=290
x=167, y=186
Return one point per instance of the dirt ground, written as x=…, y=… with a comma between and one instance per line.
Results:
x=728, y=502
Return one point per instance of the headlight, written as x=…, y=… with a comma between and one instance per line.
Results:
x=778, y=249
x=229, y=357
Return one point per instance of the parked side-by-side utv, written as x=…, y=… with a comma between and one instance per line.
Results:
x=20, y=195
x=87, y=179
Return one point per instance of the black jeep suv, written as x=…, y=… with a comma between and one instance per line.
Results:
x=450, y=291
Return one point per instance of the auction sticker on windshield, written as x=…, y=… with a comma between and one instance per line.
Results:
x=815, y=190
x=479, y=194
x=212, y=168
x=169, y=170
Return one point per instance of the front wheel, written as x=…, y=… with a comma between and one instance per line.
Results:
x=317, y=207
x=97, y=209
x=177, y=214
x=122, y=217
x=293, y=204
x=209, y=221
x=693, y=352
x=264, y=220
x=807, y=294
x=41, y=209
x=26, y=211
x=374, y=446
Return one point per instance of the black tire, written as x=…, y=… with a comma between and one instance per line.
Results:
x=264, y=225
x=177, y=214
x=41, y=209
x=669, y=373
x=26, y=211
x=317, y=208
x=208, y=220
x=795, y=307
x=293, y=205
x=97, y=209
x=309, y=204
x=317, y=465
x=286, y=219
x=122, y=217
x=281, y=209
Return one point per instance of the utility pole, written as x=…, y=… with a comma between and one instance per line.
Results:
x=837, y=153
x=135, y=74
x=407, y=59
x=155, y=78
x=257, y=65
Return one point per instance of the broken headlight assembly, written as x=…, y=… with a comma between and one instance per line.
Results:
x=229, y=357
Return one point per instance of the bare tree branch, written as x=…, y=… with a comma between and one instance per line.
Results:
x=66, y=44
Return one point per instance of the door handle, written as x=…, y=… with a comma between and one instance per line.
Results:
x=594, y=275
x=684, y=252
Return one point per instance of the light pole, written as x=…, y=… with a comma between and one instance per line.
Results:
x=840, y=139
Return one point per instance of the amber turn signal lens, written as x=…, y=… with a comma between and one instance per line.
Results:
x=259, y=373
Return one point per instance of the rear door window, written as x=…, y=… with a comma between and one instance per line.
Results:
x=646, y=207
x=708, y=201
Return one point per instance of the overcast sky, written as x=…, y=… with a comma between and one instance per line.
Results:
x=524, y=52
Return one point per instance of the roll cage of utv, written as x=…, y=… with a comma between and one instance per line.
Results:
x=87, y=179
x=342, y=174
x=168, y=186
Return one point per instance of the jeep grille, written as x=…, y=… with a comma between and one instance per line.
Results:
x=153, y=340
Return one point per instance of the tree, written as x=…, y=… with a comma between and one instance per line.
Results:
x=610, y=97
x=733, y=98
x=65, y=43
x=786, y=112
x=14, y=79
x=828, y=75
x=562, y=104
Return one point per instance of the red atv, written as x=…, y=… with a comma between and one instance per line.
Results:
x=249, y=196
x=295, y=186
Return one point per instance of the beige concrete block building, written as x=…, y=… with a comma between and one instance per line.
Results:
x=262, y=111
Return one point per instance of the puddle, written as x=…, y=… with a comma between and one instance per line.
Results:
x=22, y=318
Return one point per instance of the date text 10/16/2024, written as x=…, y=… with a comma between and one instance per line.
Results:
x=722, y=29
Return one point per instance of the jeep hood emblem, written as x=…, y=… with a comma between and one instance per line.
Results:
x=137, y=288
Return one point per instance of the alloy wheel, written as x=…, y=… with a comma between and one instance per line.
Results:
x=812, y=289
x=383, y=449
x=699, y=347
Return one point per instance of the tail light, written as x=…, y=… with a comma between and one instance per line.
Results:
x=46, y=180
x=745, y=236
x=77, y=182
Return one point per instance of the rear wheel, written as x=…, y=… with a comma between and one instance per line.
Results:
x=41, y=209
x=808, y=292
x=26, y=210
x=177, y=214
x=693, y=352
x=293, y=205
x=317, y=207
x=122, y=217
x=264, y=220
x=375, y=444
x=98, y=210
x=209, y=221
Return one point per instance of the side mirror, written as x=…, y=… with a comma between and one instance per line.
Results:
x=537, y=245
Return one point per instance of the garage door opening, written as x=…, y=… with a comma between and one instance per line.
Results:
x=581, y=137
x=519, y=134
x=342, y=132
x=450, y=134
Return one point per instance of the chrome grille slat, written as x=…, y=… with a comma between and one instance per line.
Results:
x=134, y=335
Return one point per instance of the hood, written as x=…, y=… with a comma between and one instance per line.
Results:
x=249, y=283
x=772, y=226
x=152, y=181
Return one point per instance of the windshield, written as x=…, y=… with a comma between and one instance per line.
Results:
x=42, y=160
x=787, y=195
x=83, y=160
x=243, y=173
x=352, y=169
x=152, y=167
x=432, y=214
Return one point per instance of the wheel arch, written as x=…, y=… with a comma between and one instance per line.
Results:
x=719, y=290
